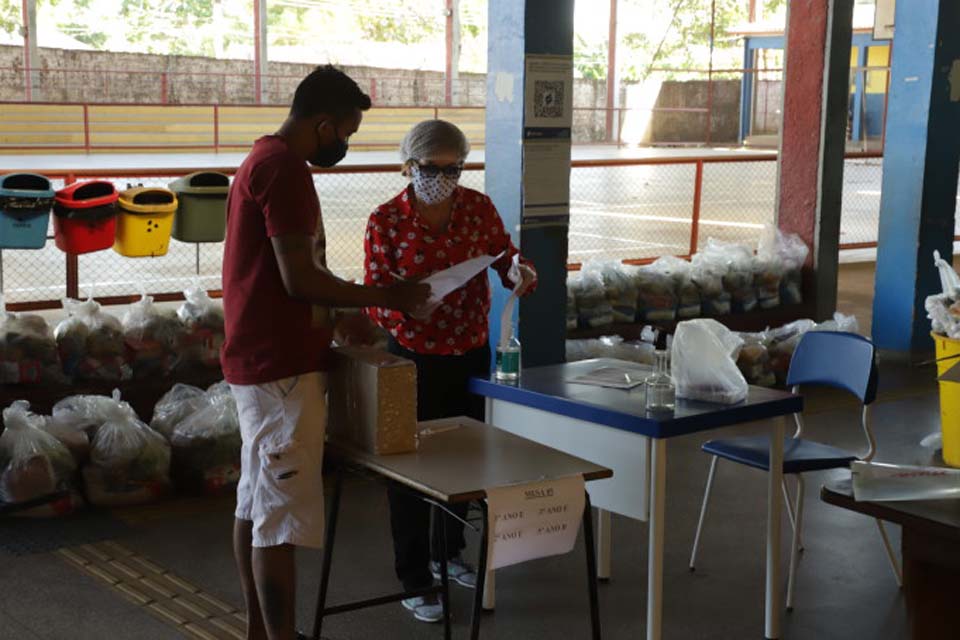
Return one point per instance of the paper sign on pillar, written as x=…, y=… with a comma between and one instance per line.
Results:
x=535, y=520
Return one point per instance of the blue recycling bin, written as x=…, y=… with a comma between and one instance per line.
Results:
x=25, y=203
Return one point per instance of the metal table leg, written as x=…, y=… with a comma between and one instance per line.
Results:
x=591, y=569
x=604, y=543
x=658, y=488
x=444, y=577
x=481, y=573
x=328, y=553
x=774, y=603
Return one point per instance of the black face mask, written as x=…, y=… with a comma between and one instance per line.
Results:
x=330, y=155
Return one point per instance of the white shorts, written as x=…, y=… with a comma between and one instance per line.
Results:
x=283, y=424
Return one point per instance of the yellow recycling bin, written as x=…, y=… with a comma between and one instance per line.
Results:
x=144, y=222
x=949, y=398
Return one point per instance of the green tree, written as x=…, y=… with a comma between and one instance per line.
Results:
x=410, y=24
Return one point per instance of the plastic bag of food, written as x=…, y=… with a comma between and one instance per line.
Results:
x=687, y=293
x=28, y=352
x=206, y=445
x=840, y=322
x=202, y=320
x=944, y=315
x=175, y=406
x=704, y=359
x=738, y=278
x=706, y=273
x=754, y=360
x=33, y=463
x=152, y=337
x=782, y=342
x=73, y=438
x=657, y=296
x=793, y=253
x=593, y=307
x=620, y=288
x=572, y=286
x=129, y=461
x=90, y=343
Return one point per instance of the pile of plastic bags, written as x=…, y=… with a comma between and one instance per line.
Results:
x=723, y=278
x=204, y=431
x=129, y=463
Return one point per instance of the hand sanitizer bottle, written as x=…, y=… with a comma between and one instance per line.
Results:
x=508, y=359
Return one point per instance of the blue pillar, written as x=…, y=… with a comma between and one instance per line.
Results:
x=746, y=91
x=528, y=161
x=920, y=168
x=860, y=88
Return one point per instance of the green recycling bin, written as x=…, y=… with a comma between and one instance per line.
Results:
x=202, y=213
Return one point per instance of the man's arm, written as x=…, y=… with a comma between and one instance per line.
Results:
x=305, y=281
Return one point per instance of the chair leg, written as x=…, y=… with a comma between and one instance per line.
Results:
x=788, y=502
x=795, y=547
x=703, y=512
x=894, y=563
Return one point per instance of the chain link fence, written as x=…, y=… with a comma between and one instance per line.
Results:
x=617, y=212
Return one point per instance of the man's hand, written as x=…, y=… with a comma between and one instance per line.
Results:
x=355, y=329
x=407, y=297
x=528, y=278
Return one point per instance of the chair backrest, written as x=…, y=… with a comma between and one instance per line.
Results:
x=844, y=361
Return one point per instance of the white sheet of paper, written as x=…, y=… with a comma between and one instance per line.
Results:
x=614, y=377
x=534, y=520
x=443, y=283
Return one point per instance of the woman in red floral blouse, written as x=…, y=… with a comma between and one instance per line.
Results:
x=429, y=226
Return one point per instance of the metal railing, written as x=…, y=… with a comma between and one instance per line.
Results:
x=633, y=210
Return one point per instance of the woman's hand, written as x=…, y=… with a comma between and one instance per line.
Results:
x=528, y=278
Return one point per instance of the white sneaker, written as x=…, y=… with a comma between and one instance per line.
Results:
x=458, y=571
x=424, y=608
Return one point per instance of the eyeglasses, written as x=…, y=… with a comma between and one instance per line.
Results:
x=432, y=170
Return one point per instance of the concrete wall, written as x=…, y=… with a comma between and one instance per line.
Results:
x=100, y=76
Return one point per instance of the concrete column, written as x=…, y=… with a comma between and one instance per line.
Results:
x=452, y=69
x=813, y=138
x=528, y=157
x=260, y=50
x=919, y=170
x=31, y=55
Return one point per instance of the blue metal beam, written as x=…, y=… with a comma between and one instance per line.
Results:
x=920, y=170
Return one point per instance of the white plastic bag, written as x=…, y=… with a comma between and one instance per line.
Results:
x=621, y=290
x=704, y=360
x=739, y=276
x=152, y=337
x=593, y=307
x=944, y=315
x=28, y=352
x=175, y=406
x=572, y=302
x=706, y=273
x=202, y=318
x=33, y=463
x=840, y=322
x=90, y=343
x=949, y=280
x=687, y=293
x=657, y=295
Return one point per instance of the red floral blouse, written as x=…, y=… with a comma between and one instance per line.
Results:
x=400, y=243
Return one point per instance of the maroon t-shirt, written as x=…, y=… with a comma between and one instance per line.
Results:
x=269, y=335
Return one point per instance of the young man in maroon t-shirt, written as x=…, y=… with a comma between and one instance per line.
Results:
x=277, y=295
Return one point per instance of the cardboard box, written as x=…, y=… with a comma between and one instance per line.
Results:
x=372, y=400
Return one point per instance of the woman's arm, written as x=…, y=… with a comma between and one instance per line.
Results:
x=500, y=242
x=379, y=269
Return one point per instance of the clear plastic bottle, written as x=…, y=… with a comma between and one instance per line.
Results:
x=661, y=392
x=508, y=360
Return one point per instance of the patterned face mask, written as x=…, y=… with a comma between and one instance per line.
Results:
x=433, y=187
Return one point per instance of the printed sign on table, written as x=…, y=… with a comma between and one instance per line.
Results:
x=536, y=520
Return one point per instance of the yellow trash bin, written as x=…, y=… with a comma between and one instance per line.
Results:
x=144, y=222
x=949, y=399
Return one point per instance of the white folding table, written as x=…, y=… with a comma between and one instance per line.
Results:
x=611, y=427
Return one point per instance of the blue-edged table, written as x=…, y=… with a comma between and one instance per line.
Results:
x=611, y=427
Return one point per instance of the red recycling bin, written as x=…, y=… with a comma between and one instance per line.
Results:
x=85, y=216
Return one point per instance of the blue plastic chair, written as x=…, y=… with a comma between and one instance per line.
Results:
x=842, y=361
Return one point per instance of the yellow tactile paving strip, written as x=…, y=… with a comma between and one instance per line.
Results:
x=159, y=592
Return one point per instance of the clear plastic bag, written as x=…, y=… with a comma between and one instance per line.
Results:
x=704, y=357
x=593, y=307
x=706, y=273
x=621, y=290
x=944, y=315
x=175, y=406
x=152, y=337
x=739, y=276
x=28, y=352
x=687, y=293
x=793, y=253
x=206, y=444
x=202, y=319
x=840, y=322
x=949, y=280
x=754, y=360
x=657, y=296
x=73, y=438
x=129, y=461
x=571, y=303
x=90, y=343
x=33, y=463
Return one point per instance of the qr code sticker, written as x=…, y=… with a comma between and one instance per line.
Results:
x=548, y=98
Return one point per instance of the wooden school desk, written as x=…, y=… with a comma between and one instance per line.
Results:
x=457, y=463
